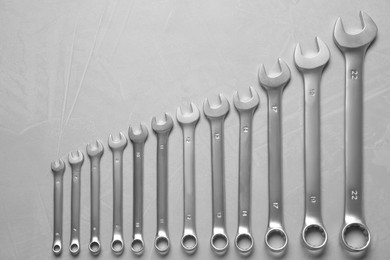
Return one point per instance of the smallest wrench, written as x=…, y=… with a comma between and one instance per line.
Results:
x=246, y=108
x=188, y=121
x=95, y=152
x=138, y=138
x=76, y=160
x=117, y=145
x=58, y=169
x=162, y=129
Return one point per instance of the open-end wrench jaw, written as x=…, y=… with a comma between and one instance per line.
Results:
x=218, y=110
x=164, y=126
x=243, y=104
x=117, y=143
x=364, y=38
x=76, y=158
x=58, y=167
x=95, y=149
x=277, y=81
x=305, y=62
x=188, y=118
x=138, y=135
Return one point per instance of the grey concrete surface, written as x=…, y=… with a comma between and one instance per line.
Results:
x=73, y=71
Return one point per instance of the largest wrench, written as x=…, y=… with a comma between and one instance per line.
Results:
x=354, y=47
x=216, y=116
x=274, y=87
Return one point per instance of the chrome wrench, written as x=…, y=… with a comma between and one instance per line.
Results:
x=188, y=121
x=138, y=138
x=117, y=145
x=162, y=129
x=274, y=87
x=246, y=108
x=95, y=153
x=76, y=160
x=354, y=47
x=58, y=169
x=216, y=115
x=311, y=69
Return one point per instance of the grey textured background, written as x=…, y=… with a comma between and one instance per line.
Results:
x=74, y=71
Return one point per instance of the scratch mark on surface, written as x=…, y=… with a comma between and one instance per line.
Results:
x=167, y=20
x=375, y=94
x=85, y=68
x=8, y=130
x=106, y=67
x=64, y=100
x=123, y=28
x=33, y=126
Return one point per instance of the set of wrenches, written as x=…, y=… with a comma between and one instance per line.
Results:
x=353, y=47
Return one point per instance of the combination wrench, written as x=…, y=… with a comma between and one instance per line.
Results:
x=76, y=160
x=162, y=130
x=117, y=145
x=216, y=116
x=138, y=138
x=311, y=69
x=95, y=153
x=58, y=169
x=354, y=47
x=246, y=108
x=274, y=87
x=188, y=121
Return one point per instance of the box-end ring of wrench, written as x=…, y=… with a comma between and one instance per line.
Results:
x=95, y=152
x=246, y=108
x=117, y=145
x=58, y=169
x=354, y=47
x=216, y=115
x=188, y=121
x=162, y=129
x=76, y=160
x=138, y=138
x=311, y=68
x=274, y=87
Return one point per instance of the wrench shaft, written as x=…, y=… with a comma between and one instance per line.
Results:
x=95, y=198
x=245, y=165
x=218, y=180
x=275, y=157
x=118, y=194
x=58, y=208
x=75, y=205
x=354, y=132
x=162, y=182
x=189, y=178
x=138, y=158
x=312, y=151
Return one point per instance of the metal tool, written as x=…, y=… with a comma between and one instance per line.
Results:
x=354, y=47
x=95, y=153
x=162, y=129
x=274, y=87
x=117, y=145
x=216, y=115
x=76, y=160
x=58, y=169
x=188, y=121
x=246, y=108
x=138, y=138
x=311, y=69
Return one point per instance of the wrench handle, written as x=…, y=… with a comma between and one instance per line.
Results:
x=162, y=183
x=245, y=169
x=312, y=145
x=95, y=199
x=138, y=169
x=354, y=132
x=58, y=215
x=275, y=207
x=118, y=196
x=75, y=205
x=189, y=180
x=218, y=172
